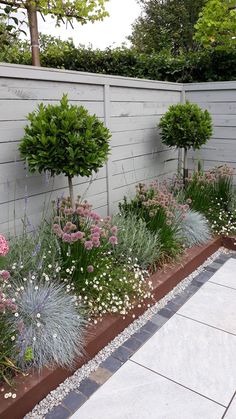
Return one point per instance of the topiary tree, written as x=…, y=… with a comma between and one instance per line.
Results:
x=186, y=126
x=65, y=139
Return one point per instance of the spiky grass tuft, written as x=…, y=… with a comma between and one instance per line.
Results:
x=50, y=326
x=193, y=229
x=136, y=241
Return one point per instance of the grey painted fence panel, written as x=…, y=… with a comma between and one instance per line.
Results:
x=131, y=108
x=220, y=100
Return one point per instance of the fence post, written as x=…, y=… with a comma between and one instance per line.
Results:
x=180, y=152
x=109, y=161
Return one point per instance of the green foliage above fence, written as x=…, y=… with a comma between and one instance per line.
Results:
x=213, y=65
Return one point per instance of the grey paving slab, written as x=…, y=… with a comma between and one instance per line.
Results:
x=195, y=355
x=134, y=392
x=58, y=412
x=231, y=412
x=226, y=275
x=214, y=305
x=73, y=401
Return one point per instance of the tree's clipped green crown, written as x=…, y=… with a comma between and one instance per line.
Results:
x=185, y=126
x=64, y=139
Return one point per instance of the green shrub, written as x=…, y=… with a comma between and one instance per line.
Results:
x=64, y=139
x=186, y=126
x=156, y=206
x=212, y=194
x=136, y=241
x=192, y=67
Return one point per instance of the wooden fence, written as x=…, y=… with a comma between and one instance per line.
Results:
x=130, y=108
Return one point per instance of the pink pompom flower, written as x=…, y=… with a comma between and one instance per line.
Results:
x=88, y=245
x=113, y=240
x=90, y=269
x=4, y=247
x=5, y=275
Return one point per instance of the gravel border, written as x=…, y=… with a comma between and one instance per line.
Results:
x=55, y=397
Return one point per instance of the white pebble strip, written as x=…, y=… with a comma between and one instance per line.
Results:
x=72, y=383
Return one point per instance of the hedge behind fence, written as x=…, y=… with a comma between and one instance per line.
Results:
x=215, y=65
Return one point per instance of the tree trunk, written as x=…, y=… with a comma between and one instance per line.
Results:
x=185, y=168
x=34, y=34
x=71, y=191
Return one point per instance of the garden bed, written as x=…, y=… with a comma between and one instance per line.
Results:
x=34, y=387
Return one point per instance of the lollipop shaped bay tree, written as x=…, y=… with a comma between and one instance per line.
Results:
x=65, y=139
x=186, y=126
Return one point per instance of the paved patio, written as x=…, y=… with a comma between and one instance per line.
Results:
x=181, y=365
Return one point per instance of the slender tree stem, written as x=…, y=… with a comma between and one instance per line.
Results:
x=71, y=191
x=34, y=33
x=185, y=168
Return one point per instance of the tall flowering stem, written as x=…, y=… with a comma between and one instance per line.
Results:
x=83, y=237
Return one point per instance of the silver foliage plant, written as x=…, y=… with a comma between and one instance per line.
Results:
x=51, y=328
x=193, y=229
x=135, y=241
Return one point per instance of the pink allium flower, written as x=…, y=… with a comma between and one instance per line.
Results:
x=79, y=235
x=95, y=216
x=66, y=238
x=113, y=240
x=4, y=248
x=88, y=245
x=97, y=243
x=80, y=211
x=55, y=227
x=68, y=211
x=90, y=268
x=87, y=212
x=97, y=235
x=5, y=275
x=96, y=230
x=114, y=230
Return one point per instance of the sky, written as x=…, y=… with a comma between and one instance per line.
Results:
x=112, y=31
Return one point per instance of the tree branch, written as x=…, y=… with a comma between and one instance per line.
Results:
x=69, y=14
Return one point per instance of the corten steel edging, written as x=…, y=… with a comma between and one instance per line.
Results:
x=33, y=388
x=229, y=242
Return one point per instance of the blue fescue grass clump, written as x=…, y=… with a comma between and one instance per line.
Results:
x=50, y=325
x=193, y=229
x=136, y=241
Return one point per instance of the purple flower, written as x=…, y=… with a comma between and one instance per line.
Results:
x=88, y=245
x=79, y=235
x=113, y=240
x=66, y=238
x=114, y=230
x=96, y=230
x=97, y=243
x=5, y=275
x=95, y=216
x=90, y=268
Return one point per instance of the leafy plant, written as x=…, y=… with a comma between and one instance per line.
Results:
x=49, y=322
x=193, y=228
x=7, y=336
x=82, y=236
x=212, y=194
x=203, y=65
x=64, y=139
x=185, y=126
x=156, y=206
x=114, y=288
x=216, y=25
x=136, y=242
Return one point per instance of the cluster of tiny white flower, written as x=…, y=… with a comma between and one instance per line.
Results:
x=225, y=221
